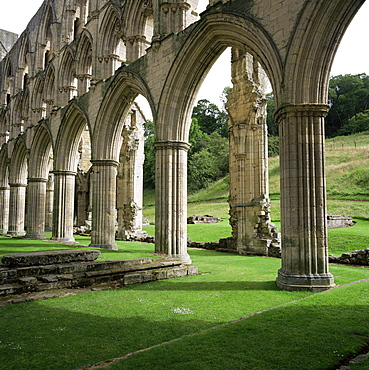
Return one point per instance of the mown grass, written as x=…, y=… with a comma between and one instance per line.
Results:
x=307, y=334
x=126, y=250
x=73, y=331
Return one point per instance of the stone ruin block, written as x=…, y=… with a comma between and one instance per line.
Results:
x=50, y=257
x=338, y=221
x=206, y=219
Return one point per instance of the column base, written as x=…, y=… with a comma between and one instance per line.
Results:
x=64, y=240
x=112, y=247
x=305, y=282
x=184, y=258
x=35, y=236
x=16, y=233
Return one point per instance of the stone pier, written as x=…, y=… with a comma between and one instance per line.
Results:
x=64, y=184
x=303, y=199
x=249, y=191
x=171, y=200
x=36, y=192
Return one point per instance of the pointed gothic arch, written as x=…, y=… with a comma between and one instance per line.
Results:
x=4, y=190
x=138, y=27
x=84, y=61
x=38, y=174
x=66, y=76
x=112, y=51
x=46, y=36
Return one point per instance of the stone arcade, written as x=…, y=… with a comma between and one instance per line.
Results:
x=70, y=133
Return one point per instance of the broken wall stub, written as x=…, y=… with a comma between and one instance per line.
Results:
x=130, y=177
x=249, y=191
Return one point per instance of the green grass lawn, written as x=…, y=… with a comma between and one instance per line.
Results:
x=73, y=331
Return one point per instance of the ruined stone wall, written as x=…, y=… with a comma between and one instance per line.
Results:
x=7, y=40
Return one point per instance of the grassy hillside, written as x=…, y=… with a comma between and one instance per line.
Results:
x=347, y=164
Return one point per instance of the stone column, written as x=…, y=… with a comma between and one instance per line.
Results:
x=36, y=208
x=49, y=203
x=4, y=206
x=103, y=184
x=62, y=228
x=171, y=200
x=17, y=207
x=303, y=198
x=249, y=188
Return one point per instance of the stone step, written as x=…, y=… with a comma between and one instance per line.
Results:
x=116, y=278
x=50, y=257
x=9, y=275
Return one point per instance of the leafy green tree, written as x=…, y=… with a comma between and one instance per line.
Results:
x=208, y=160
x=348, y=95
x=210, y=118
x=149, y=163
x=358, y=123
x=271, y=123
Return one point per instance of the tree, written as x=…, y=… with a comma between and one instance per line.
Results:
x=271, y=123
x=357, y=123
x=348, y=95
x=149, y=163
x=210, y=118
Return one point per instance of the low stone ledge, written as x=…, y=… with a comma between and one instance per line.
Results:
x=358, y=257
x=50, y=257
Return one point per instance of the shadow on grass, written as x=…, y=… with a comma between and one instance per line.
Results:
x=70, y=332
x=180, y=285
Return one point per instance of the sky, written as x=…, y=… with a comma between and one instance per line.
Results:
x=352, y=56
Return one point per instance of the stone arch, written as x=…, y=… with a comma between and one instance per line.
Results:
x=46, y=36
x=111, y=50
x=7, y=73
x=84, y=61
x=138, y=28
x=300, y=116
x=38, y=174
x=189, y=69
x=18, y=184
x=197, y=57
x=4, y=126
x=24, y=62
x=122, y=91
x=40, y=151
x=38, y=104
x=106, y=144
x=66, y=76
x=49, y=88
x=4, y=190
x=72, y=125
x=17, y=121
x=66, y=156
x=312, y=49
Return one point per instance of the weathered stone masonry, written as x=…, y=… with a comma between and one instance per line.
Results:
x=71, y=78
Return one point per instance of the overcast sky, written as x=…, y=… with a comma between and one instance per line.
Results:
x=352, y=56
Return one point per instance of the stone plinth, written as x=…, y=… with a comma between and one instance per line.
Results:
x=50, y=257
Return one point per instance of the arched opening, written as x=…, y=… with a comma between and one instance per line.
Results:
x=112, y=49
x=138, y=29
x=67, y=159
x=4, y=192
x=67, y=79
x=84, y=63
x=39, y=189
x=18, y=171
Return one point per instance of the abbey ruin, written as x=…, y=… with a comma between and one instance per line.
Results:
x=71, y=135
